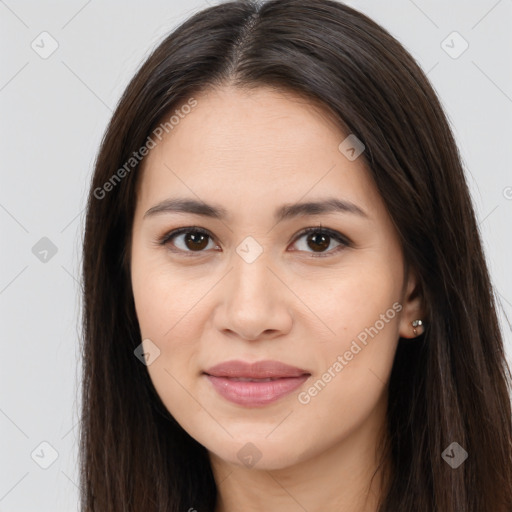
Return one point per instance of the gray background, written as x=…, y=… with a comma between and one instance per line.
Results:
x=53, y=114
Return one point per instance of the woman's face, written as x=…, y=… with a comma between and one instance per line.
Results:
x=251, y=286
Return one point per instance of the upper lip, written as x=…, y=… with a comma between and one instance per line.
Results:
x=258, y=370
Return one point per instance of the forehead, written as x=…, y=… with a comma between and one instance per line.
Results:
x=259, y=145
x=257, y=122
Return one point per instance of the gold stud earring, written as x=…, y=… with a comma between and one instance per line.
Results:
x=415, y=325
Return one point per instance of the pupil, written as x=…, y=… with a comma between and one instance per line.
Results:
x=320, y=239
x=198, y=240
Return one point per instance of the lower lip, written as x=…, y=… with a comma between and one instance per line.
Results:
x=254, y=394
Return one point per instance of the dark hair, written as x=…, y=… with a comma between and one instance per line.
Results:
x=451, y=384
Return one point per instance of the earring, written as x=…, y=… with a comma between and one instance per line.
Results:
x=415, y=324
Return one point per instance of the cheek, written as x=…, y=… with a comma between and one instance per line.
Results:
x=164, y=297
x=170, y=314
x=355, y=362
x=354, y=300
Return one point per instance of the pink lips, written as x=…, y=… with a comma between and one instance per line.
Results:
x=270, y=380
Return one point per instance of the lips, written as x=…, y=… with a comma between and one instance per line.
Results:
x=256, y=384
x=259, y=370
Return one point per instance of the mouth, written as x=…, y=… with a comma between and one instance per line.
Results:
x=245, y=379
x=256, y=384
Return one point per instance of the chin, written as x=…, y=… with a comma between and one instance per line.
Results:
x=259, y=454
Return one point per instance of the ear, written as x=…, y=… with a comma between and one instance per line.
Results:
x=413, y=307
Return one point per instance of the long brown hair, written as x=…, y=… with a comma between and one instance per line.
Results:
x=452, y=384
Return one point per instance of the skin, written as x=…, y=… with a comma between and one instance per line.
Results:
x=252, y=152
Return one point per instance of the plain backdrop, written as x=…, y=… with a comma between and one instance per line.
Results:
x=54, y=110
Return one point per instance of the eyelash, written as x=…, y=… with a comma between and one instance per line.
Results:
x=345, y=242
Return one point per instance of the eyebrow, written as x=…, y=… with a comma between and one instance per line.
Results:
x=287, y=211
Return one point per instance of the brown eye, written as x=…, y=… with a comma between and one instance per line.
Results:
x=318, y=240
x=188, y=240
x=195, y=241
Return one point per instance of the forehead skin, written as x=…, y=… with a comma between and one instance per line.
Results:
x=268, y=148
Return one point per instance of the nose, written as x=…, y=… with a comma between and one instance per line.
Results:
x=253, y=302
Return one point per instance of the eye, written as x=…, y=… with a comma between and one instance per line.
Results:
x=319, y=240
x=188, y=240
x=193, y=239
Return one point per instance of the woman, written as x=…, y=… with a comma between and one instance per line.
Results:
x=286, y=302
